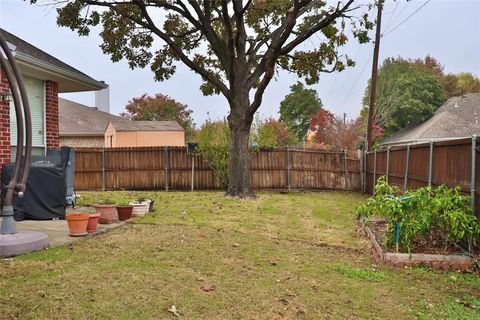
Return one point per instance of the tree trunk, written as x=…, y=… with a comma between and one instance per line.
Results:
x=239, y=164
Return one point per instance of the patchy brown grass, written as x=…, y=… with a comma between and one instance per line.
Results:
x=281, y=256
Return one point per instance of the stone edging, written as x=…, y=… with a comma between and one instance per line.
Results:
x=449, y=262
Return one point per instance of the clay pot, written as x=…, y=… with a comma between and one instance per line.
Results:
x=139, y=208
x=107, y=213
x=77, y=223
x=124, y=212
x=92, y=222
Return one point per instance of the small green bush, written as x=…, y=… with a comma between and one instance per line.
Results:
x=441, y=209
x=123, y=203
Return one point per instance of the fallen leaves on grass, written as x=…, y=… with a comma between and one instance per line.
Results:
x=272, y=262
x=208, y=287
x=466, y=304
x=173, y=310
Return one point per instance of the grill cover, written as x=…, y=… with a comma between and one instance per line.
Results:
x=45, y=193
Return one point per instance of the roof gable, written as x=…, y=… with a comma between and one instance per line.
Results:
x=458, y=117
x=76, y=119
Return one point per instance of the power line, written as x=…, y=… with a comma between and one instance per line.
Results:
x=397, y=16
x=356, y=80
x=404, y=20
x=359, y=46
x=392, y=15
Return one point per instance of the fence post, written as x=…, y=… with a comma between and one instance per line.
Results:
x=288, y=168
x=362, y=171
x=473, y=182
x=430, y=165
x=374, y=171
x=407, y=159
x=388, y=163
x=103, y=169
x=193, y=170
x=345, y=168
x=365, y=165
x=166, y=165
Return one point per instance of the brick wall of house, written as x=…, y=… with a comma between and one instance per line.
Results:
x=4, y=122
x=51, y=114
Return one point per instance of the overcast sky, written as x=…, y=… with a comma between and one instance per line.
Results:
x=447, y=30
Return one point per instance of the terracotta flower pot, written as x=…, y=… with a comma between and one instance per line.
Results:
x=139, y=208
x=124, y=212
x=107, y=213
x=92, y=222
x=77, y=223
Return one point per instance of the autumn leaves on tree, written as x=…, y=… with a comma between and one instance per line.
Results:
x=237, y=48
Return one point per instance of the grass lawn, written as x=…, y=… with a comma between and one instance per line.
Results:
x=281, y=256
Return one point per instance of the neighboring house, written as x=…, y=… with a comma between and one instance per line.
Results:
x=125, y=133
x=82, y=126
x=45, y=77
x=459, y=117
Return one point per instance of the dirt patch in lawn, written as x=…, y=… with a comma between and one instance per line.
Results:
x=434, y=243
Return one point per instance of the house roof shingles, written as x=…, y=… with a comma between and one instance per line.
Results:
x=458, y=117
x=125, y=125
x=28, y=49
x=76, y=119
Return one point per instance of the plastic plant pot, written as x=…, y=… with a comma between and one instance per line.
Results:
x=124, y=212
x=107, y=213
x=139, y=208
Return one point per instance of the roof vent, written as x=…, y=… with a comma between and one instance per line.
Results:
x=456, y=105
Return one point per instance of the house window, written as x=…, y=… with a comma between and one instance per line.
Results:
x=36, y=98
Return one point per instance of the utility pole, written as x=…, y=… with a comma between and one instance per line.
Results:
x=373, y=84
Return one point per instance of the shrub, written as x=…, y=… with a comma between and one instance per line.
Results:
x=420, y=212
x=214, y=146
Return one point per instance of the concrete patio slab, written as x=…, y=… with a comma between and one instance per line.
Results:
x=57, y=230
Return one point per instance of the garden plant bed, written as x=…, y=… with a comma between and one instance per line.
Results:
x=428, y=253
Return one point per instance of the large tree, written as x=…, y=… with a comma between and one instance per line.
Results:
x=298, y=107
x=405, y=95
x=160, y=107
x=237, y=47
x=453, y=84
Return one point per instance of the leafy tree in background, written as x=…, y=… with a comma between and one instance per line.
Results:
x=273, y=133
x=214, y=145
x=160, y=107
x=319, y=124
x=453, y=84
x=298, y=107
x=333, y=133
x=236, y=47
x=467, y=82
x=405, y=95
x=377, y=131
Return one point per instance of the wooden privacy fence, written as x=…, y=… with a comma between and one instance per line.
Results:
x=449, y=162
x=157, y=168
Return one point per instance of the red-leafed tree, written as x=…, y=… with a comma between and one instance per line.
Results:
x=160, y=107
x=274, y=133
x=330, y=132
x=320, y=123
